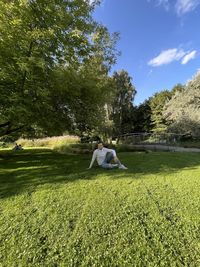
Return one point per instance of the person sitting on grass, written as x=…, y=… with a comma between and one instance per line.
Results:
x=20, y=147
x=17, y=147
x=104, y=157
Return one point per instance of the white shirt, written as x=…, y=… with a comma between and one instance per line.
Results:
x=100, y=155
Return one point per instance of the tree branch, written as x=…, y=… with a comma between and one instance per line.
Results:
x=9, y=130
x=5, y=124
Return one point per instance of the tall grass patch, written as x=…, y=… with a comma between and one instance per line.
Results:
x=50, y=142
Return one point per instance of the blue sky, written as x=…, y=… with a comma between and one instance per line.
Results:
x=159, y=41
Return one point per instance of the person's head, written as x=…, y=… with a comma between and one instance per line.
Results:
x=100, y=145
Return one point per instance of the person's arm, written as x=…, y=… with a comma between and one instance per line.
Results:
x=111, y=150
x=93, y=159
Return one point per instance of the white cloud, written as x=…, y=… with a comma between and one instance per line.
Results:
x=181, y=6
x=185, y=6
x=188, y=57
x=164, y=3
x=167, y=56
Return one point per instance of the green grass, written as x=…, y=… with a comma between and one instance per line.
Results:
x=54, y=212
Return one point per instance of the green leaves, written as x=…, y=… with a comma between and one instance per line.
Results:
x=122, y=102
x=157, y=103
x=183, y=111
x=40, y=39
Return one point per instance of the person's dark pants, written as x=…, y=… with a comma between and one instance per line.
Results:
x=107, y=162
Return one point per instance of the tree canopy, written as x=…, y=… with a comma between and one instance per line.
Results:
x=183, y=111
x=50, y=53
x=122, y=105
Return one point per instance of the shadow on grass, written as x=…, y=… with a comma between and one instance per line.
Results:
x=23, y=171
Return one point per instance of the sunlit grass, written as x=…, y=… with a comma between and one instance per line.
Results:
x=54, y=212
x=50, y=142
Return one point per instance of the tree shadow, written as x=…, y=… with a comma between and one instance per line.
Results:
x=23, y=171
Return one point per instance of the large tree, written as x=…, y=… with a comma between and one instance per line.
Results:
x=142, y=117
x=81, y=96
x=157, y=103
x=40, y=41
x=122, y=104
x=182, y=112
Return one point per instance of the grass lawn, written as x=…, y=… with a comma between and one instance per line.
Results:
x=54, y=212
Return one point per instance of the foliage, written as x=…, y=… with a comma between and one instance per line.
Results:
x=142, y=117
x=80, y=95
x=157, y=105
x=183, y=111
x=122, y=105
x=40, y=42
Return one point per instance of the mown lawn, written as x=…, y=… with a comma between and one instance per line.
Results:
x=54, y=212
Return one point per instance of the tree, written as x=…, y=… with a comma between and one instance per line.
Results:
x=40, y=39
x=157, y=103
x=182, y=112
x=122, y=103
x=82, y=97
x=142, y=117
